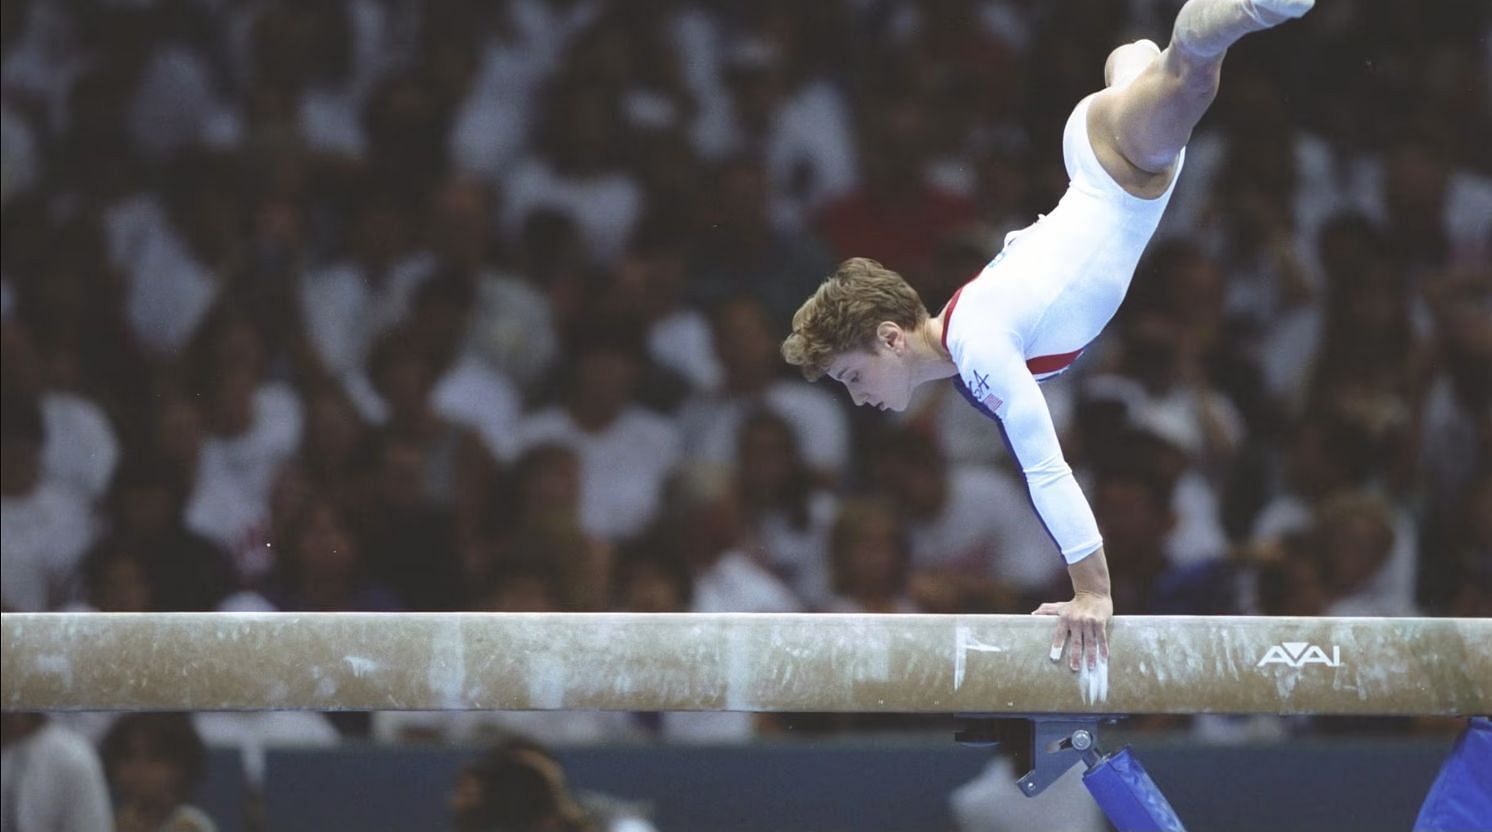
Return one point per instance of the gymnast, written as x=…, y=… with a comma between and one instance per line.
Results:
x=1051, y=290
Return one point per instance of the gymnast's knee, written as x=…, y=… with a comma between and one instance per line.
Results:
x=1128, y=61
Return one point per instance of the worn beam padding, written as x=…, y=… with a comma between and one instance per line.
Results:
x=734, y=662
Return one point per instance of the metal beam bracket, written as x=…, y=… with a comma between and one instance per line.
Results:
x=1043, y=746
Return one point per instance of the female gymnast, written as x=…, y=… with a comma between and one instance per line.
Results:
x=1029, y=314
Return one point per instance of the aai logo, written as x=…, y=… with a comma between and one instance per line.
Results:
x=1299, y=654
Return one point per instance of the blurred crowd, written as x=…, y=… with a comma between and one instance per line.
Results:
x=392, y=305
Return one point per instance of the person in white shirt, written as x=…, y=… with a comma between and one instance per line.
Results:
x=968, y=525
x=1355, y=534
x=711, y=420
x=348, y=303
x=704, y=529
x=649, y=578
x=44, y=528
x=180, y=267
x=50, y=778
x=786, y=514
x=1049, y=293
x=801, y=126
x=579, y=172
x=649, y=282
x=252, y=428
x=626, y=451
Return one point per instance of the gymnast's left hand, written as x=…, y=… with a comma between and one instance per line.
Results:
x=1082, y=628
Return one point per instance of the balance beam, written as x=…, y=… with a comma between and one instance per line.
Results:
x=734, y=662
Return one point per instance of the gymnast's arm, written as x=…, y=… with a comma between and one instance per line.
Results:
x=1060, y=503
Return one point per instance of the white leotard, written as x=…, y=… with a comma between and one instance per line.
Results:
x=1028, y=315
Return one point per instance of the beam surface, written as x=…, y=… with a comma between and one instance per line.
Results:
x=735, y=662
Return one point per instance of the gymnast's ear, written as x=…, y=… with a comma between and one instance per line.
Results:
x=891, y=335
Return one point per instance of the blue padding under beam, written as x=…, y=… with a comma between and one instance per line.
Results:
x=1128, y=796
x=1461, y=796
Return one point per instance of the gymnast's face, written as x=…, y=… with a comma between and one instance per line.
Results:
x=880, y=375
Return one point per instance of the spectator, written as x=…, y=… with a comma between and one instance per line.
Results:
x=541, y=571
x=336, y=442
x=870, y=560
x=412, y=542
x=154, y=764
x=1162, y=379
x=780, y=104
x=739, y=251
x=366, y=290
x=579, y=566
x=754, y=378
x=520, y=785
x=44, y=528
x=896, y=216
x=1355, y=535
x=1256, y=193
x=1157, y=440
x=648, y=284
x=70, y=346
x=651, y=576
x=626, y=453
x=991, y=802
x=490, y=123
x=1438, y=210
x=320, y=567
x=576, y=168
x=524, y=580
x=511, y=331
x=971, y=529
x=1363, y=332
x=1455, y=432
x=81, y=448
x=785, y=512
x=650, y=581
x=547, y=485
x=51, y=778
x=1133, y=508
x=706, y=529
x=406, y=127
x=468, y=391
x=404, y=373
x=116, y=579
x=547, y=523
x=304, y=81
x=1289, y=580
x=251, y=427
x=185, y=570
x=1337, y=450
x=183, y=261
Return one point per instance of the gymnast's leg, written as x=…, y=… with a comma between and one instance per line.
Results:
x=1140, y=123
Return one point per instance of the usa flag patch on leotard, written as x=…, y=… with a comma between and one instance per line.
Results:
x=992, y=402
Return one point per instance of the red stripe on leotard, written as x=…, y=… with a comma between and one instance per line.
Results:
x=1052, y=363
x=1038, y=366
x=948, y=315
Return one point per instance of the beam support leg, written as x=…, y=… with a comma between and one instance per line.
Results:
x=1045, y=746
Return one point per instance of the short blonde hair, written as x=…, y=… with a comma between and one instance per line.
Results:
x=844, y=312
